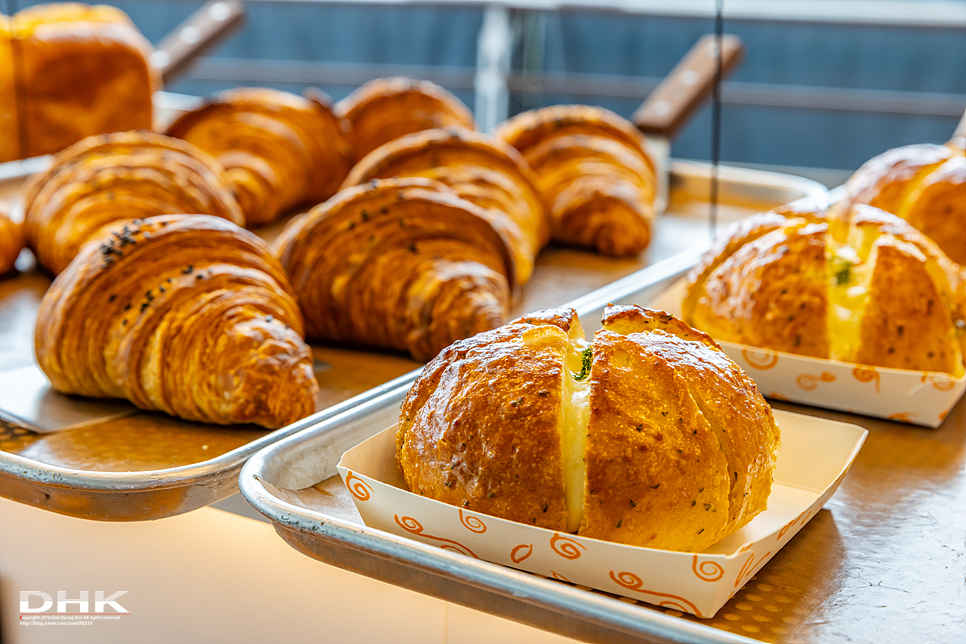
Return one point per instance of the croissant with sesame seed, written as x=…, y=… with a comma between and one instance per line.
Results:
x=385, y=109
x=103, y=180
x=483, y=170
x=187, y=314
x=594, y=172
x=280, y=149
x=399, y=263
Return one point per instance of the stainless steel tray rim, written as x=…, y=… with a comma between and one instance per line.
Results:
x=57, y=476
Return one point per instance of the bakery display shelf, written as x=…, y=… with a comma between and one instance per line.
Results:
x=879, y=534
x=141, y=465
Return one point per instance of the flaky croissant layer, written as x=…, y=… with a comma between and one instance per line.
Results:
x=103, y=180
x=190, y=315
x=401, y=263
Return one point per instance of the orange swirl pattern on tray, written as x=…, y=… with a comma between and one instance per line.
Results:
x=472, y=523
x=809, y=382
x=558, y=576
x=357, y=487
x=517, y=558
x=760, y=359
x=566, y=547
x=630, y=581
x=867, y=374
x=412, y=526
x=939, y=381
x=701, y=571
x=749, y=567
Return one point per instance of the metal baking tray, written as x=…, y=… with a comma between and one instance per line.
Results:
x=805, y=593
x=148, y=465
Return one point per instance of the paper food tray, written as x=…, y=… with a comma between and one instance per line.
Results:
x=916, y=397
x=814, y=457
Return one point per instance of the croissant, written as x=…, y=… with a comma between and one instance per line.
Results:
x=598, y=182
x=11, y=240
x=190, y=315
x=385, y=109
x=648, y=436
x=114, y=178
x=80, y=70
x=866, y=289
x=401, y=263
x=923, y=184
x=280, y=149
x=481, y=169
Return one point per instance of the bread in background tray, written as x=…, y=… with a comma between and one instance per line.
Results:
x=482, y=169
x=119, y=177
x=596, y=178
x=867, y=288
x=399, y=263
x=78, y=70
x=11, y=240
x=385, y=109
x=186, y=314
x=649, y=435
x=281, y=150
x=923, y=184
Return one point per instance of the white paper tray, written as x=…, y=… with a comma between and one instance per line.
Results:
x=916, y=397
x=814, y=457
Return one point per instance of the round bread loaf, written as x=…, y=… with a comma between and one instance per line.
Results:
x=867, y=288
x=648, y=436
x=923, y=184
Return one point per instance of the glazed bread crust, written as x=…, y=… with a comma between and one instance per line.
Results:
x=190, y=315
x=81, y=70
x=400, y=263
x=596, y=178
x=866, y=288
x=386, y=109
x=675, y=448
x=113, y=178
x=280, y=150
x=483, y=170
x=924, y=184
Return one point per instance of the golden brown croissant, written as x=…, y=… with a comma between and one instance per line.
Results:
x=481, y=169
x=280, y=149
x=119, y=177
x=187, y=314
x=11, y=240
x=385, y=109
x=868, y=288
x=401, y=263
x=595, y=176
x=80, y=70
x=923, y=184
x=649, y=436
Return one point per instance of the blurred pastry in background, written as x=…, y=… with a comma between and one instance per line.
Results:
x=11, y=240
x=385, y=109
x=923, y=184
x=482, y=169
x=596, y=178
x=115, y=178
x=867, y=288
x=649, y=435
x=70, y=71
x=400, y=263
x=281, y=150
x=190, y=315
